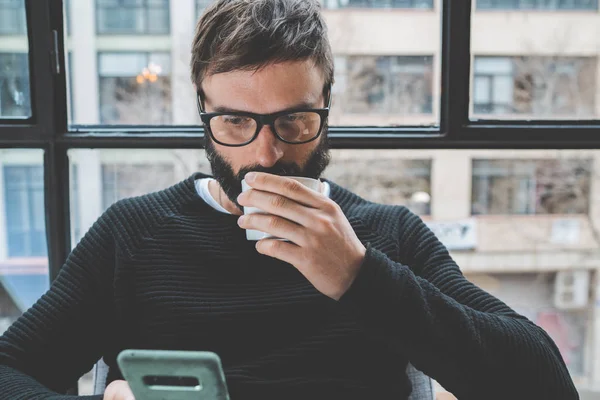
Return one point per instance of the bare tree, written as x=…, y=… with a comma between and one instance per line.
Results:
x=555, y=86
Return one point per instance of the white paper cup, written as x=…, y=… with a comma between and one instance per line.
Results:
x=251, y=234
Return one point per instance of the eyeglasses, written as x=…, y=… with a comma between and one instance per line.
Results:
x=236, y=129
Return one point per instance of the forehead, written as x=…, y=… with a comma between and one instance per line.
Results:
x=269, y=89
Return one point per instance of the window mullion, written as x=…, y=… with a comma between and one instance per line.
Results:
x=456, y=56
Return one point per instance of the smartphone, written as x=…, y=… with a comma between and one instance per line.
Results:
x=173, y=375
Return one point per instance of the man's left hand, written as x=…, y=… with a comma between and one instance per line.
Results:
x=324, y=247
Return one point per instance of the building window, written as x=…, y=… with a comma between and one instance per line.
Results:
x=531, y=186
x=25, y=219
x=537, y=4
x=120, y=181
x=423, y=4
x=133, y=17
x=558, y=87
x=135, y=88
x=15, y=100
x=13, y=20
x=385, y=84
x=385, y=179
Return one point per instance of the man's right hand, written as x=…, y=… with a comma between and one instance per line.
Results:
x=118, y=390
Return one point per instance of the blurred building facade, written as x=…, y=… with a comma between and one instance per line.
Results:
x=523, y=225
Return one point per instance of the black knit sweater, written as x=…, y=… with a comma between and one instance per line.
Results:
x=167, y=271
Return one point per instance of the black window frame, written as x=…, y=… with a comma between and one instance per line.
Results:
x=48, y=129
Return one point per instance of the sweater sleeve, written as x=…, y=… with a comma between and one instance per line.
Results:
x=473, y=344
x=67, y=330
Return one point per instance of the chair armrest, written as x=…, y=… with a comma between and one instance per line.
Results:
x=422, y=385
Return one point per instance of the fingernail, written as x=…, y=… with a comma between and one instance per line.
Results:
x=241, y=219
x=250, y=176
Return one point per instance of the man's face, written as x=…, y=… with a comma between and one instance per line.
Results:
x=274, y=88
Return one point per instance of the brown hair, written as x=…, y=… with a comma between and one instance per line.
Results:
x=250, y=34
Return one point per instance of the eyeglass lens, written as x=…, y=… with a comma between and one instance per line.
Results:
x=296, y=127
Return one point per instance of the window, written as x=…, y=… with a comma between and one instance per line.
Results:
x=556, y=186
x=133, y=16
x=425, y=4
x=15, y=98
x=535, y=87
x=537, y=4
x=12, y=17
x=23, y=261
x=493, y=85
x=388, y=178
x=24, y=203
x=535, y=66
x=135, y=88
x=127, y=180
x=397, y=86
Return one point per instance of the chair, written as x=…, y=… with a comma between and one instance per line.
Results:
x=422, y=384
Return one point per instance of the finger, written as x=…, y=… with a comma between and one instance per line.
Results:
x=273, y=225
x=286, y=187
x=277, y=205
x=284, y=251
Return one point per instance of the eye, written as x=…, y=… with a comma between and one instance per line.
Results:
x=293, y=117
x=236, y=120
x=290, y=117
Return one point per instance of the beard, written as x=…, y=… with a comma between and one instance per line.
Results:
x=231, y=183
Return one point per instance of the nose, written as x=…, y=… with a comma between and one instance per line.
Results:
x=269, y=149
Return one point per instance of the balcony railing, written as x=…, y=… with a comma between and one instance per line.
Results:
x=133, y=17
x=537, y=4
x=419, y=4
x=12, y=17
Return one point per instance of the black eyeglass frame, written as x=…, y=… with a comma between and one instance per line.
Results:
x=262, y=120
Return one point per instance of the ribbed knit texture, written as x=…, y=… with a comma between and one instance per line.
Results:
x=166, y=271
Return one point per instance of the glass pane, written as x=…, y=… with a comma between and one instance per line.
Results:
x=23, y=250
x=118, y=174
x=537, y=214
x=134, y=68
x=400, y=177
x=386, y=177
x=134, y=88
x=519, y=223
x=15, y=97
x=541, y=65
x=382, y=77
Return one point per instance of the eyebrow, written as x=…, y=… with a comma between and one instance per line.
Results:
x=224, y=109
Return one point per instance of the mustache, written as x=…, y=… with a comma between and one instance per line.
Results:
x=280, y=168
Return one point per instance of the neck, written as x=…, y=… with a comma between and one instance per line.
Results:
x=219, y=195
